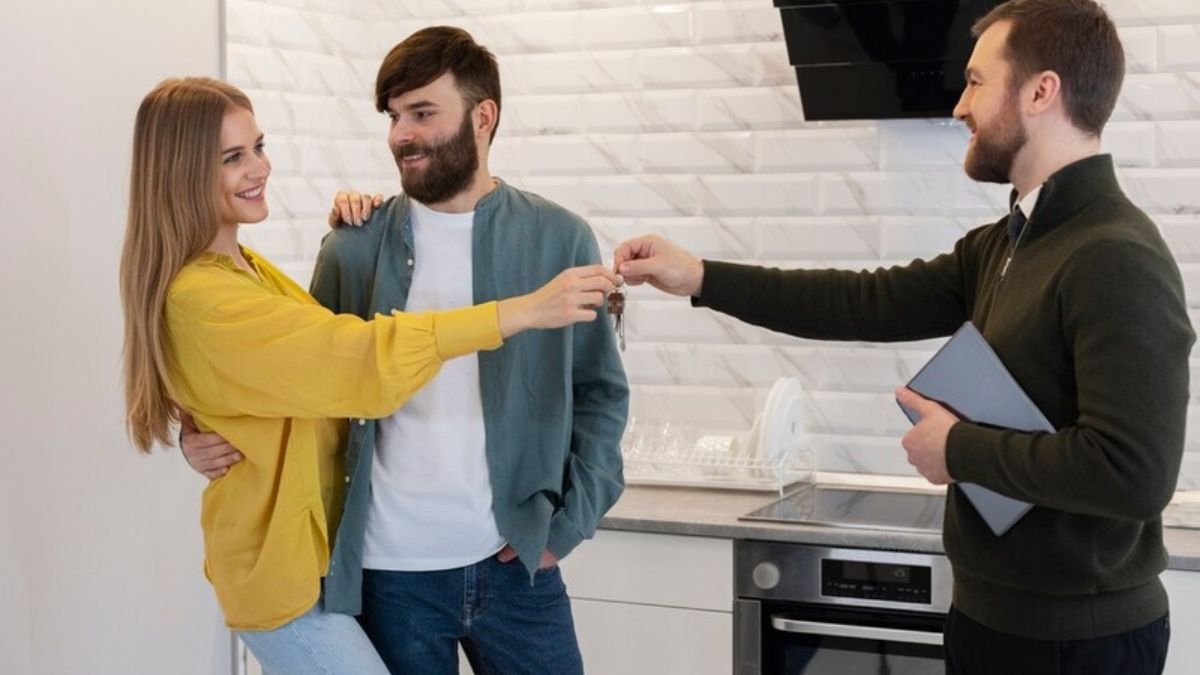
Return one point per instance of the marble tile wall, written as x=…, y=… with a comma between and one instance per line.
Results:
x=683, y=118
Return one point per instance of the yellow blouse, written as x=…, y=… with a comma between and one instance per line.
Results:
x=260, y=362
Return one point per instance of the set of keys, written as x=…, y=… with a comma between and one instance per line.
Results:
x=616, y=309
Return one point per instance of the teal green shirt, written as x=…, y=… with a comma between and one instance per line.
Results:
x=554, y=401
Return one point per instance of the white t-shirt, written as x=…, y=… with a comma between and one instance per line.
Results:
x=431, y=497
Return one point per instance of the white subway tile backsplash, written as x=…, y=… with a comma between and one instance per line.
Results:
x=682, y=118
x=758, y=194
x=1178, y=48
x=1178, y=143
x=1153, y=12
x=640, y=111
x=749, y=108
x=602, y=155
x=728, y=152
x=578, y=72
x=907, y=193
x=639, y=195
x=738, y=21
x=1132, y=144
x=817, y=238
x=1159, y=96
x=1163, y=190
x=908, y=145
x=703, y=67
x=817, y=149
x=1141, y=48
x=631, y=27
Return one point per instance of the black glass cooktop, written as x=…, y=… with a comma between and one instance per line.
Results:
x=843, y=506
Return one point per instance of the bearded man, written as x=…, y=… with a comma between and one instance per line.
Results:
x=1079, y=296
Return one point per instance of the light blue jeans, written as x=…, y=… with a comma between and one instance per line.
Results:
x=315, y=643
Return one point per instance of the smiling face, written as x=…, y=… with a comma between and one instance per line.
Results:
x=990, y=107
x=242, y=182
x=433, y=138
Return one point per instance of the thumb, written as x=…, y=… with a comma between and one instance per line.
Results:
x=912, y=400
x=639, y=269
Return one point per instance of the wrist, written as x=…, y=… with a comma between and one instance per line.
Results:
x=696, y=282
x=513, y=315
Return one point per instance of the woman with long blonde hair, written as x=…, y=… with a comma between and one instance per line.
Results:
x=213, y=328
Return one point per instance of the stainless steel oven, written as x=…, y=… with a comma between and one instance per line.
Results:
x=838, y=611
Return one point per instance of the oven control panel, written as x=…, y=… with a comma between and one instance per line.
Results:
x=868, y=580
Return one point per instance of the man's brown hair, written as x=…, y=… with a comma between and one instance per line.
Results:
x=1074, y=38
x=432, y=52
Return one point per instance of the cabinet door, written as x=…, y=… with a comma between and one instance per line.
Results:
x=653, y=569
x=648, y=640
x=1184, y=590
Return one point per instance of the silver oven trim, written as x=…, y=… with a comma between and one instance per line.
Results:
x=916, y=637
x=792, y=573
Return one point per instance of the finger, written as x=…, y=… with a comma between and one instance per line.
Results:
x=215, y=462
x=341, y=204
x=592, y=299
x=632, y=249
x=215, y=473
x=334, y=219
x=642, y=269
x=584, y=315
x=369, y=207
x=356, y=208
x=207, y=442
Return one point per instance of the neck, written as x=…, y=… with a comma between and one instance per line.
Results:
x=1047, y=153
x=226, y=243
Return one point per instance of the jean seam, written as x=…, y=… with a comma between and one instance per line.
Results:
x=307, y=649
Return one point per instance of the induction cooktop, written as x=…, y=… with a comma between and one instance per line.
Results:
x=858, y=507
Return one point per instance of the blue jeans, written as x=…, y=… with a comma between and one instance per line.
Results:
x=505, y=626
x=315, y=643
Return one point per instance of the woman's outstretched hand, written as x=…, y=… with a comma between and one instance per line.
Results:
x=570, y=297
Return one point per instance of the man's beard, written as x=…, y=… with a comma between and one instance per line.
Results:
x=450, y=166
x=990, y=158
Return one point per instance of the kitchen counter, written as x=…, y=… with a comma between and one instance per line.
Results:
x=715, y=512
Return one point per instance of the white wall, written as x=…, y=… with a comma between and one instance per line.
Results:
x=100, y=550
x=683, y=117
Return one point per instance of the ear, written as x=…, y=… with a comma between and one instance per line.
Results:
x=486, y=115
x=1044, y=91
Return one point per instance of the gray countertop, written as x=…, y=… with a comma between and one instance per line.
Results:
x=715, y=512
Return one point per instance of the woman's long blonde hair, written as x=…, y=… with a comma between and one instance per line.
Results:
x=172, y=217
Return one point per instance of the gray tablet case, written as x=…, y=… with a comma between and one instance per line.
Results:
x=967, y=377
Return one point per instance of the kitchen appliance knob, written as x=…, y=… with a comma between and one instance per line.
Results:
x=766, y=576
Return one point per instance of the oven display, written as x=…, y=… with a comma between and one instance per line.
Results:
x=875, y=581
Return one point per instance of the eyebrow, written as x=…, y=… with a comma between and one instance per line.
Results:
x=235, y=148
x=416, y=105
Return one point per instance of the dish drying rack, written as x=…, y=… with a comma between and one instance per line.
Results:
x=773, y=455
x=699, y=467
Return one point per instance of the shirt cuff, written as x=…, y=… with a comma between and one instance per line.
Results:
x=467, y=330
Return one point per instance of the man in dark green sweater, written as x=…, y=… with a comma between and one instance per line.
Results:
x=1079, y=296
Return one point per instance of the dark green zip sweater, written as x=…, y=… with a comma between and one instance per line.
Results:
x=1090, y=318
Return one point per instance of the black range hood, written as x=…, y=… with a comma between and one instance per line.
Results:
x=879, y=59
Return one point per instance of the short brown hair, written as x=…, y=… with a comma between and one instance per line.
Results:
x=432, y=52
x=1074, y=38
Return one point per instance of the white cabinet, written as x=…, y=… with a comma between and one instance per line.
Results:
x=650, y=604
x=1184, y=590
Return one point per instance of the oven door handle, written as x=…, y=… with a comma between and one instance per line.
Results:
x=790, y=625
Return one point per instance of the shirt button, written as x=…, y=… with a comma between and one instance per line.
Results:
x=410, y=262
x=361, y=422
x=347, y=479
